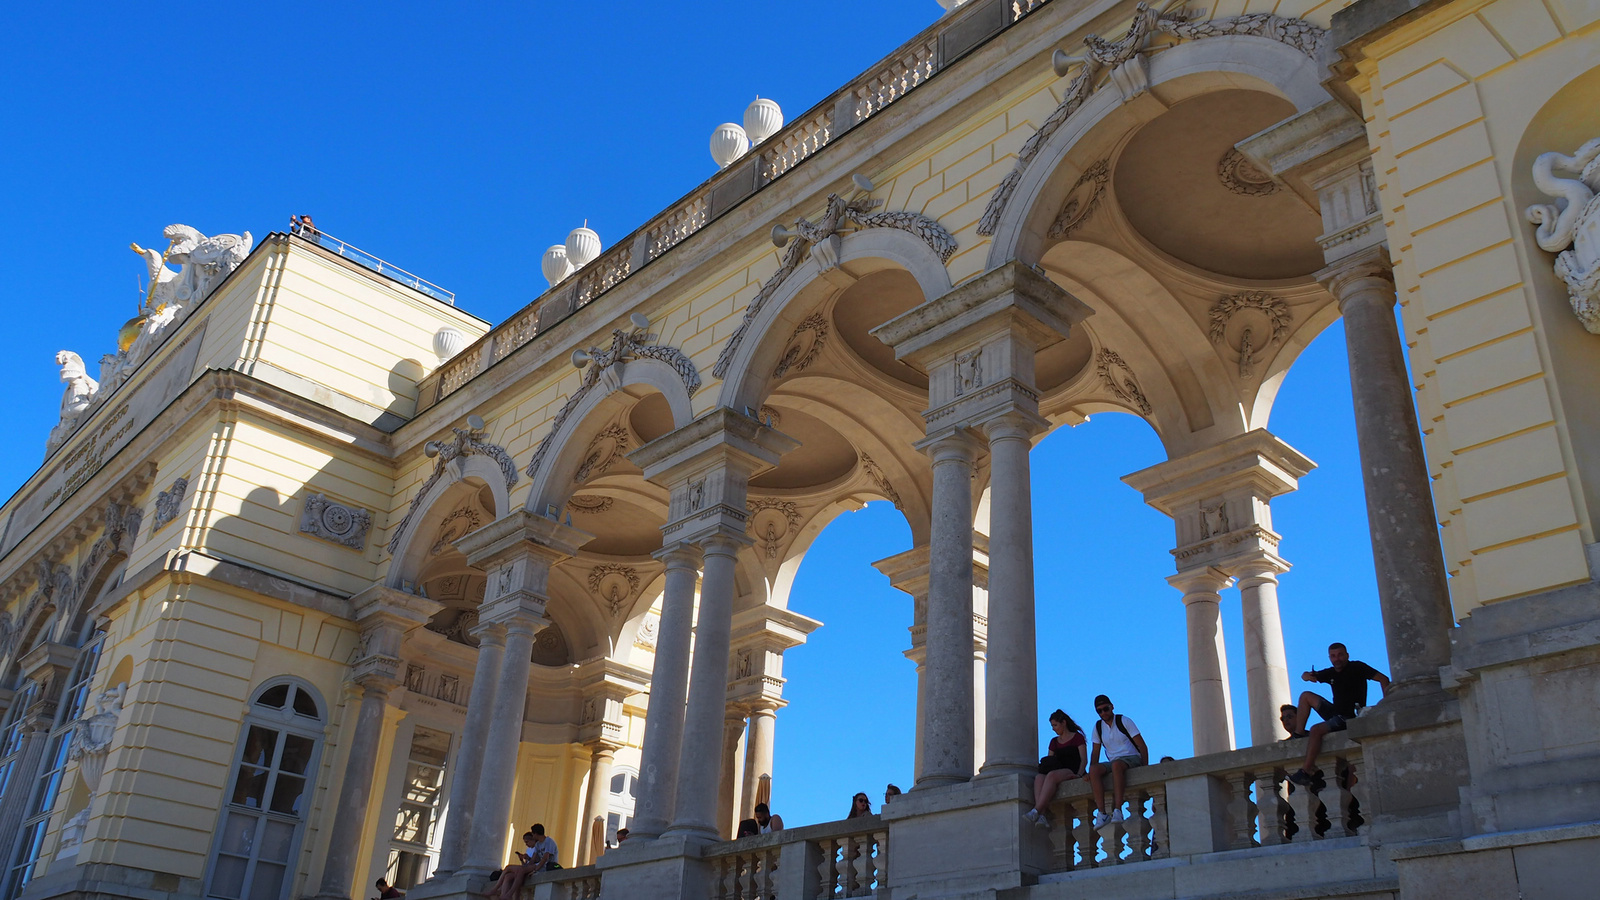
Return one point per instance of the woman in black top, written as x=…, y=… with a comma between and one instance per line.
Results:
x=1065, y=760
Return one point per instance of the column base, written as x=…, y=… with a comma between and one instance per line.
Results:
x=1008, y=770
x=1000, y=850
x=667, y=868
x=938, y=781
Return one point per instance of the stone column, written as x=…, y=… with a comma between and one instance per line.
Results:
x=758, y=749
x=1012, y=704
x=1266, y=669
x=669, y=688
x=468, y=764
x=385, y=615
x=908, y=572
x=946, y=731
x=601, y=756
x=733, y=728
x=518, y=551
x=699, y=770
x=1406, y=553
x=1210, y=707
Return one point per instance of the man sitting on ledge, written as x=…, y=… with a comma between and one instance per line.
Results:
x=1349, y=680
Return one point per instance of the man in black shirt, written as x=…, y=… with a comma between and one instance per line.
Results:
x=1349, y=680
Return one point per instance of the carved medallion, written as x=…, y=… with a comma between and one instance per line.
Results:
x=772, y=520
x=809, y=337
x=1118, y=378
x=770, y=417
x=589, y=504
x=1238, y=173
x=606, y=448
x=336, y=522
x=455, y=526
x=1082, y=200
x=615, y=585
x=1265, y=321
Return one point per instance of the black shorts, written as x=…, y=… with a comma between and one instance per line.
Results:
x=1051, y=763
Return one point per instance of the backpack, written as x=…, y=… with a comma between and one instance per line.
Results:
x=1120, y=727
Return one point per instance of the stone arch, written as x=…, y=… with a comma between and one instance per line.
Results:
x=460, y=477
x=768, y=331
x=1187, y=70
x=552, y=480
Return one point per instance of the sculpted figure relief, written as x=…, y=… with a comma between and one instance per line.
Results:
x=75, y=398
x=1570, y=227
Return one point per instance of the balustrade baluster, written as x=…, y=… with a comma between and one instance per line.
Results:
x=1340, y=800
x=862, y=876
x=1158, y=821
x=751, y=880
x=1061, y=834
x=1304, y=803
x=828, y=876
x=1136, y=826
x=1269, y=809
x=1088, y=840
x=1241, y=812
x=880, y=860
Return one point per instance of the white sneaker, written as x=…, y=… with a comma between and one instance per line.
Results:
x=1032, y=815
x=1116, y=815
x=1042, y=821
x=1099, y=819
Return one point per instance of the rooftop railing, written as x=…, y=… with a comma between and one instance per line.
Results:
x=387, y=269
x=907, y=68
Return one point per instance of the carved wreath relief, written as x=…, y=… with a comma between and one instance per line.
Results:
x=1261, y=309
x=615, y=585
x=1082, y=200
x=461, y=522
x=1238, y=174
x=809, y=337
x=589, y=504
x=772, y=520
x=1118, y=378
x=880, y=480
x=336, y=522
x=605, y=449
x=1570, y=227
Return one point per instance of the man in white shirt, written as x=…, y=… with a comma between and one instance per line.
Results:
x=1125, y=750
x=542, y=852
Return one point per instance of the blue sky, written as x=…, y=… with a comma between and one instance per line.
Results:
x=459, y=143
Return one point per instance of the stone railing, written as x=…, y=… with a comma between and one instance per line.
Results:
x=831, y=861
x=1226, y=801
x=581, y=883
x=951, y=37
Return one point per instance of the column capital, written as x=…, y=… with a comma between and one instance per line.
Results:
x=1197, y=583
x=1261, y=567
x=1013, y=422
x=952, y=442
x=517, y=551
x=1367, y=270
x=680, y=555
x=605, y=684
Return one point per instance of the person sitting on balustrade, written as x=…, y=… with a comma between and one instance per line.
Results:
x=747, y=828
x=1125, y=749
x=1288, y=717
x=766, y=820
x=1064, y=760
x=511, y=877
x=1349, y=679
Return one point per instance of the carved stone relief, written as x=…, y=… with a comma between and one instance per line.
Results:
x=168, y=502
x=969, y=372
x=1570, y=227
x=770, y=417
x=336, y=522
x=1261, y=310
x=605, y=449
x=467, y=442
x=1241, y=176
x=809, y=337
x=1121, y=62
x=462, y=521
x=648, y=631
x=589, y=504
x=880, y=480
x=1082, y=200
x=697, y=495
x=1118, y=378
x=1214, y=520
x=772, y=520
x=744, y=663
x=615, y=585
x=821, y=239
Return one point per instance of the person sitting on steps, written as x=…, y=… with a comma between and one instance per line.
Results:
x=1125, y=749
x=1065, y=760
x=1349, y=680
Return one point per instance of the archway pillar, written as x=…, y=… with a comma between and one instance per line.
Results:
x=604, y=685
x=517, y=551
x=1219, y=500
x=977, y=344
x=385, y=616
x=761, y=634
x=707, y=466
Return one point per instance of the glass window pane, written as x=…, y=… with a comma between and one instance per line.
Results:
x=239, y=833
x=633, y=787
x=228, y=879
x=267, y=883
x=259, y=746
x=274, y=697
x=619, y=782
x=275, y=840
x=304, y=705
x=296, y=753
x=250, y=787
x=286, y=794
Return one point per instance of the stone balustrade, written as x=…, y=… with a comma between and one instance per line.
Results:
x=1225, y=801
x=830, y=861
x=913, y=64
x=581, y=883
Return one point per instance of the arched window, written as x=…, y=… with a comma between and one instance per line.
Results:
x=11, y=732
x=619, y=802
x=268, y=795
x=53, y=764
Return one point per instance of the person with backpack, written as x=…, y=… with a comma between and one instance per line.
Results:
x=1125, y=749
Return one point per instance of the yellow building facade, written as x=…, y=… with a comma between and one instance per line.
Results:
x=324, y=579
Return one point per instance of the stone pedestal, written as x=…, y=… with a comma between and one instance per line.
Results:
x=998, y=849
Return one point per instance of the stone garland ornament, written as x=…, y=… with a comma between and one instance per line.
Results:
x=1570, y=227
x=1082, y=200
x=880, y=480
x=1242, y=176
x=1110, y=56
x=169, y=501
x=809, y=337
x=625, y=346
x=614, y=584
x=1118, y=377
x=336, y=522
x=772, y=520
x=1273, y=308
x=821, y=239
x=467, y=442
